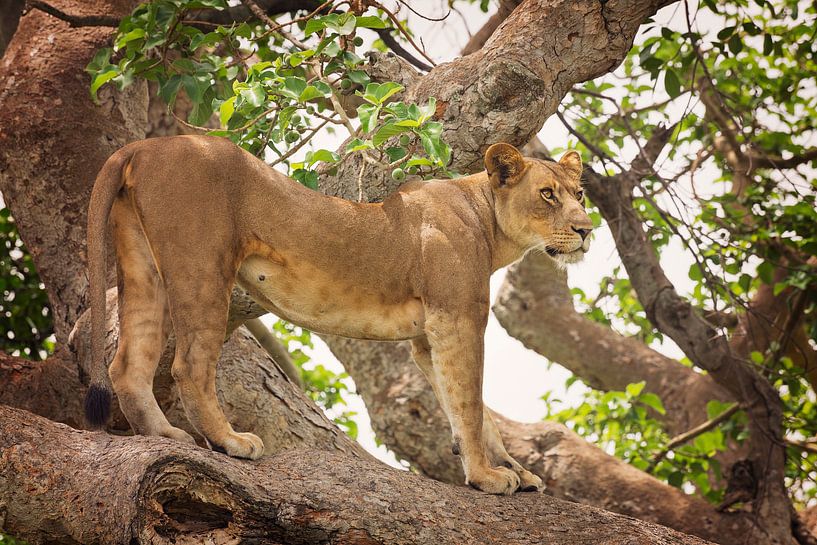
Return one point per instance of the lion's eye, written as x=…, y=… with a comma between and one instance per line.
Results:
x=580, y=196
x=546, y=193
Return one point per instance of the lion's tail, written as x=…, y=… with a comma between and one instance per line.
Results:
x=108, y=184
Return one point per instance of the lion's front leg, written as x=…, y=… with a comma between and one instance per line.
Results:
x=499, y=456
x=456, y=344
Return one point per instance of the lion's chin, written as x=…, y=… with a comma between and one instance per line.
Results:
x=569, y=258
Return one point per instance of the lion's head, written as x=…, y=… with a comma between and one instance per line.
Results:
x=540, y=203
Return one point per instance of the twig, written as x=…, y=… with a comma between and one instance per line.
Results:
x=418, y=14
x=360, y=181
x=261, y=14
x=399, y=27
x=589, y=145
x=693, y=433
x=73, y=20
x=300, y=144
x=808, y=446
x=399, y=50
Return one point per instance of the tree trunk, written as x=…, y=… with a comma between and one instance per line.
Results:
x=65, y=486
x=54, y=140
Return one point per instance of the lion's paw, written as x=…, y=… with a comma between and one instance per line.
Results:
x=497, y=480
x=529, y=482
x=244, y=445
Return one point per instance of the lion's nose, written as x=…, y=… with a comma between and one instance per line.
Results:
x=582, y=232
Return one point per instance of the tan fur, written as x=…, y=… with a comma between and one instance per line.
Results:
x=193, y=215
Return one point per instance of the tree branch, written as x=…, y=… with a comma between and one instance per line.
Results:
x=692, y=434
x=505, y=91
x=483, y=34
x=73, y=20
x=407, y=417
x=175, y=493
x=676, y=318
x=536, y=307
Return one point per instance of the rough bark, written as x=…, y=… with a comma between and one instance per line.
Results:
x=487, y=30
x=53, y=140
x=535, y=306
x=65, y=486
x=407, y=417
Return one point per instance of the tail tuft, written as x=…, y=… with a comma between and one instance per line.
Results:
x=97, y=405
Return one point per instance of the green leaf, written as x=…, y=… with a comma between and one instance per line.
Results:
x=634, y=389
x=200, y=113
x=735, y=44
x=695, y=272
x=309, y=178
x=385, y=90
x=726, y=32
x=766, y=272
x=101, y=78
x=671, y=83
x=310, y=93
x=651, y=400
x=346, y=24
x=367, y=113
x=313, y=25
x=225, y=111
x=385, y=132
x=322, y=155
x=768, y=44
x=357, y=144
x=133, y=35
x=371, y=21
x=255, y=94
x=294, y=86
x=358, y=76
x=169, y=88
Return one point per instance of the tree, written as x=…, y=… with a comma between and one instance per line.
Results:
x=746, y=322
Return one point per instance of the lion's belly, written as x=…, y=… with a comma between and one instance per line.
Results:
x=311, y=299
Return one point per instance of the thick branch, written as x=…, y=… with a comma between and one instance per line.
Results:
x=506, y=90
x=481, y=36
x=179, y=493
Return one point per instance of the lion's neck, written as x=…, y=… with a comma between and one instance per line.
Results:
x=504, y=250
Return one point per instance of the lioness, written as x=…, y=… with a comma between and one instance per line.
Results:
x=192, y=215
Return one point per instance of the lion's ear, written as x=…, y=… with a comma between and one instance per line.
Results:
x=572, y=163
x=504, y=163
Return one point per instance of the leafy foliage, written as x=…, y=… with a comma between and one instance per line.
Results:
x=623, y=423
x=274, y=92
x=25, y=316
x=735, y=188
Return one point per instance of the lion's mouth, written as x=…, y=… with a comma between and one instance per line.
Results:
x=552, y=252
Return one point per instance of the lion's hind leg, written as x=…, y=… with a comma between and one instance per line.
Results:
x=199, y=312
x=144, y=326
